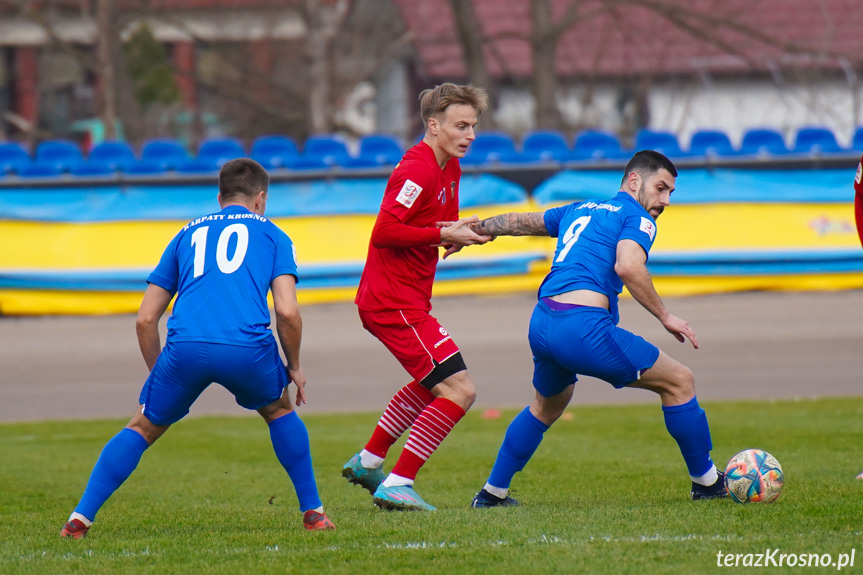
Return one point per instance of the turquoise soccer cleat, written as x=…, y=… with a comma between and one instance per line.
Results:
x=368, y=478
x=400, y=498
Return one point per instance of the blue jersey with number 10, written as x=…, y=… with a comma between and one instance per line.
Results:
x=221, y=267
x=588, y=233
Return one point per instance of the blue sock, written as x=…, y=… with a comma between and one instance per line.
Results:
x=291, y=444
x=522, y=438
x=687, y=424
x=118, y=460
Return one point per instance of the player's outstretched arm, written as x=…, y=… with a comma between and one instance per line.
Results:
x=289, y=325
x=153, y=306
x=631, y=267
x=513, y=224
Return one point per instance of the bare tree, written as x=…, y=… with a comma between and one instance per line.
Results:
x=321, y=29
x=469, y=35
x=106, y=41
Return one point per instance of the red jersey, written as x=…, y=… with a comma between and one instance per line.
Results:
x=401, y=262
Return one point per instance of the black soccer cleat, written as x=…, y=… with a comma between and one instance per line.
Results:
x=485, y=499
x=715, y=491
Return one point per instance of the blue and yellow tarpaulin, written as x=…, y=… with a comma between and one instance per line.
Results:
x=89, y=250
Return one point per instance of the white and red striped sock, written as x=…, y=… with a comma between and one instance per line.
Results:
x=427, y=433
x=403, y=409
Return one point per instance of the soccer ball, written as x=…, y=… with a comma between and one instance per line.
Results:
x=753, y=475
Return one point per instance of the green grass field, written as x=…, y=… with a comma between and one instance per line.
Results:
x=607, y=492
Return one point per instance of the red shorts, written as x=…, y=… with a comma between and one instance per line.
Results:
x=414, y=337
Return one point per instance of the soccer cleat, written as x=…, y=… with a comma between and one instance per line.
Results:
x=314, y=521
x=400, y=498
x=368, y=478
x=860, y=476
x=485, y=499
x=74, y=529
x=715, y=491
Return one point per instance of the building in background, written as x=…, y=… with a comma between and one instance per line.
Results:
x=243, y=68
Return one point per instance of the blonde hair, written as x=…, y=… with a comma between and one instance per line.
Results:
x=435, y=101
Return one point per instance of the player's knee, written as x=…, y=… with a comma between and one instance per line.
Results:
x=682, y=384
x=462, y=383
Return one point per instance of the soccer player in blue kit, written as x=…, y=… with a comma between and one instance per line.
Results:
x=220, y=267
x=602, y=245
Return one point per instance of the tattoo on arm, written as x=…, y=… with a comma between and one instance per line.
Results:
x=513, y=224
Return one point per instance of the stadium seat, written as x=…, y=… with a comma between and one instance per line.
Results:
x=663, y=142
x=763, y=142
x=220, y=150
x=490, y=147
x=93, y=168
x=598, y=145
x=115, y=154
x=857, y=140
x=377, y=150
x=274, y=151
x=168, y=153
x=39, y=169
x=711, y=143
x=814, y=141
x=144, y=167
x=322, y=152
x=12, y=157
x=545, y=145
x=198, y=166
x=62, y=153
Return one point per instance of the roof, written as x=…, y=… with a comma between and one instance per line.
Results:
x=637, y=37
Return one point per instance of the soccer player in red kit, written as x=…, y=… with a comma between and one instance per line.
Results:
x=858, y=200
x=418, y=215
x=858, y=214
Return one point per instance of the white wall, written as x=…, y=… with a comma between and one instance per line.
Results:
x=682, y=107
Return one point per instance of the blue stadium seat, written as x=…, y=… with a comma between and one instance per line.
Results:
x=93, y=168
x=12, y=157
x=220, y=150
x=168, y=153
x=814, y=140
x=763, y=142
x=598, y=145
x=274, y=151
x=663, y=142
x=39, y=169
x=116, y=154
x=198, y=166
x=62, y=153
x=545, y=145
x=322, y=152
x=711, y=143
x=490, y=147
x=144, y=167
x=857, y=140
x=377, y=150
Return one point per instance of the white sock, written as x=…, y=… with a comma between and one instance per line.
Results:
x=316, y=509
x=708, y=478
x=80, y=518
x=500, y=492
x=370, y=460
x=394, y=480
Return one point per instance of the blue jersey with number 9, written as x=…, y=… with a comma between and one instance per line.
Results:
x=221, y=266
x=588, y=233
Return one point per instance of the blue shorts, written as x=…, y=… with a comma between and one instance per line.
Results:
x=255, y=375
x=584, y=341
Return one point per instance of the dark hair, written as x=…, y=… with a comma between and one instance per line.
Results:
x=434, y=101
x=242, y=177
x=646, y=163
